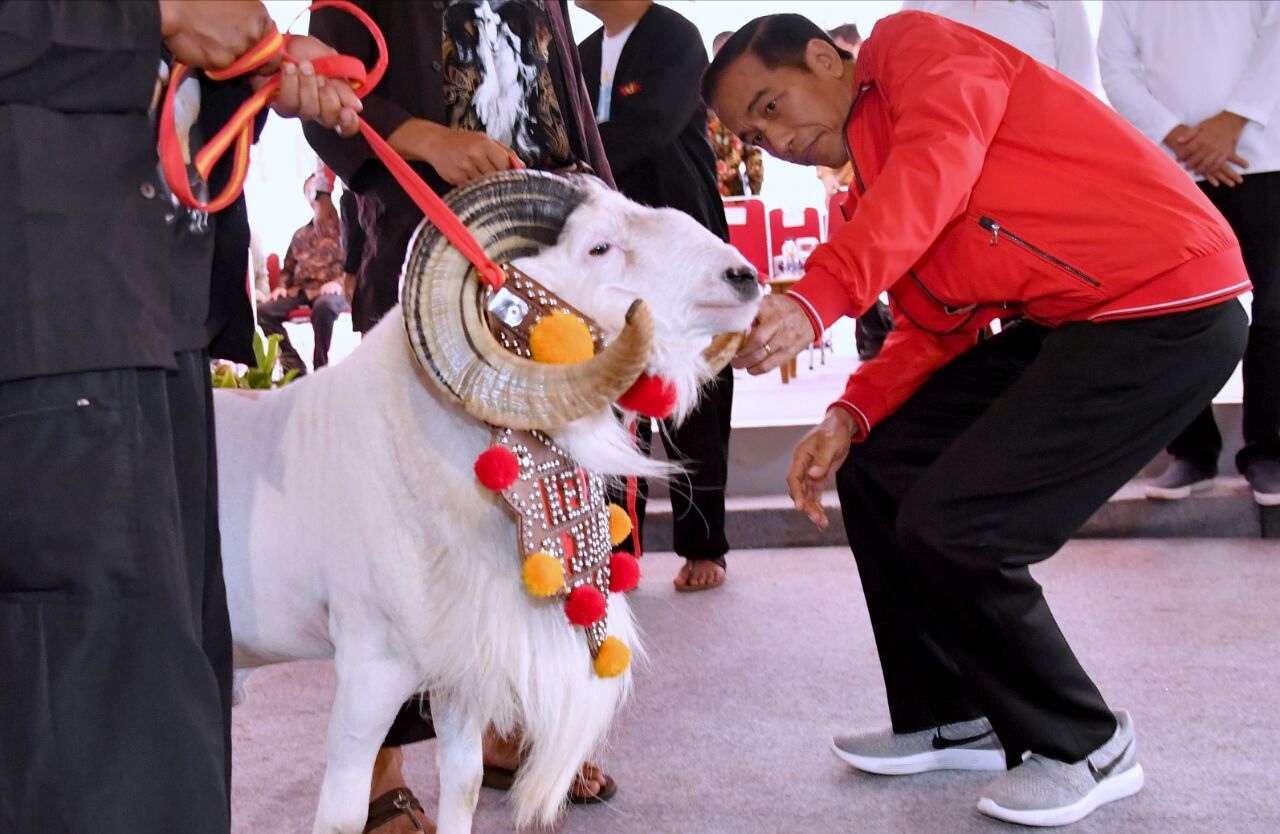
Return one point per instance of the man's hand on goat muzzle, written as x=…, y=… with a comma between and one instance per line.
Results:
x=781, y=331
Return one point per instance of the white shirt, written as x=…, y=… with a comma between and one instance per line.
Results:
x=1054, y=33
x=610, y=52
x=1171, y=63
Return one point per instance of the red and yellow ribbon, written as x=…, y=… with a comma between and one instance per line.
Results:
x=237, y=135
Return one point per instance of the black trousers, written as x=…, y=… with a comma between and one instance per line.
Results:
x=988, y=469
x=701, y=443
x=873, y=327
x=115, y=645
x=325, y=310
x=1253, y=210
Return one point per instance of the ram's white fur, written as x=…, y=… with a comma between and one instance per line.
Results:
x=353, y=527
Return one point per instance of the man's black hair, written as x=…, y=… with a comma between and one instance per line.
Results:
x=847, y=32
x=777, y=40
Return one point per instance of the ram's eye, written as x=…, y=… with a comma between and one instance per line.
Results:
x=599, y=249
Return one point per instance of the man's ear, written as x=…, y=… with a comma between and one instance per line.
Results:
x=823, y=59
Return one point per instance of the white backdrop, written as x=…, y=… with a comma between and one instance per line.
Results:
x=282, y=158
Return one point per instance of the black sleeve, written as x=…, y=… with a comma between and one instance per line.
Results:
x=79, y=57
x=352, y=233
x=347, y=35
x=642, y=124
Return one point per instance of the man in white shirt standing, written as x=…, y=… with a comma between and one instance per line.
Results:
x=1221, y=119
x=1054, y=33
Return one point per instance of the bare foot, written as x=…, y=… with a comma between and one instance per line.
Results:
x=388, y=774
x=505, y=753
x=699, y=575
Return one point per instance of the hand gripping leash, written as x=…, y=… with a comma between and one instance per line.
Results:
x=237, y=135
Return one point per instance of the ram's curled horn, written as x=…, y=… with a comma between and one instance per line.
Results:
x=722, y=349
x=512, y=214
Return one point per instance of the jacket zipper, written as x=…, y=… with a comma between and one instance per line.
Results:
x=997, y=231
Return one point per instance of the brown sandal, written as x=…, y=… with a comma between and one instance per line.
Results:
x=392, y=805
x=501, y=779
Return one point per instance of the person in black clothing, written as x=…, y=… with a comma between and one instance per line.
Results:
x=424, y=106
x=643, y=68
x=114, y=636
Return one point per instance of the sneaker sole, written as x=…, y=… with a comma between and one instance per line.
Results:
x=950, y=759
x=1266, y=499
x=1119, y=786
x=1178, y=493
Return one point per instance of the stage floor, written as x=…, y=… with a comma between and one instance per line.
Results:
x=732, y=720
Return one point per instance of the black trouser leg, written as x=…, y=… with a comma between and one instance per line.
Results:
x=983, y=493
x=1200, y=442
x=871, y=330
x=697, y=497
x=271, y=317
x=114, y=705
x=412, y=723
x=701, y=443
x=1253, y=210
x=195, y=459
x=325, y=310
x=921, y=680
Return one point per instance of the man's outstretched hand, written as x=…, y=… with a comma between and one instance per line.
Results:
x=820, y=454
x=781, y=331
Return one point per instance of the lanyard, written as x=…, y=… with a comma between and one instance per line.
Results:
x=237, y=135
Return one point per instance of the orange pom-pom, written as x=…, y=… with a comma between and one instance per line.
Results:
x=561, y=339
x=585, y=606
x=624, y=572
x=651, y=396
x=613, y=659
x=497, y=468
x=619, y=525
x=543, y=575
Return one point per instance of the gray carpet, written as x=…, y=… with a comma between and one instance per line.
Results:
x=730, y=728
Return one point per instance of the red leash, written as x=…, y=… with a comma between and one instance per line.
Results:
x=239, y=132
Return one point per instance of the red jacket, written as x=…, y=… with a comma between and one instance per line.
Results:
x=988, y=185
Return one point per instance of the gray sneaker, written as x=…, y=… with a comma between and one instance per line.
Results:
x=967, y=745
x=1043, y=791
x=1179, y=480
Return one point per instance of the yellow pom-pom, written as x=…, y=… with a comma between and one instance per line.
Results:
x=543, y=575
x=619, y=524
x=614, y=658
x=561, y=339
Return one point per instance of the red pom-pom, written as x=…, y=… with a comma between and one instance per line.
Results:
x=497, y=468
x=585, y=605
x=651, y=396
x=624, y=572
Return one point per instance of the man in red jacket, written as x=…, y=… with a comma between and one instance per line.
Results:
x=986, y=186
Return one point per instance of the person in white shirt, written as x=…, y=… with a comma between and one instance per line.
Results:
x=1202, y=79
x=1054, y=33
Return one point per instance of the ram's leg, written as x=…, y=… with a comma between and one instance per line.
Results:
x=370, y=690
x=460, y=738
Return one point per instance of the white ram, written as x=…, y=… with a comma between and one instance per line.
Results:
x=353, y=526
